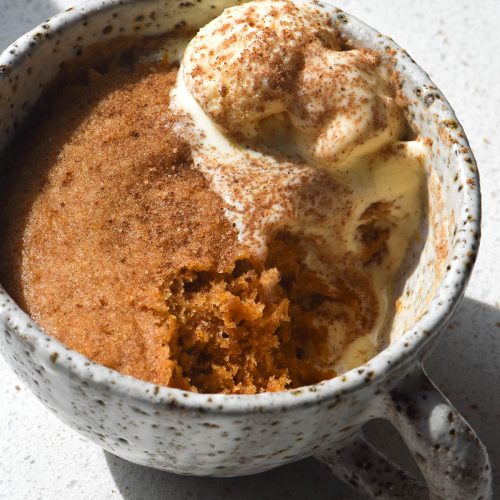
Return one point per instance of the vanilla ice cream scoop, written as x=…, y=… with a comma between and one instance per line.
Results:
x=300, y=137
x=275, y=71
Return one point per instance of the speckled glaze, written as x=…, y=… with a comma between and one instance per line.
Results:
x=221, y=435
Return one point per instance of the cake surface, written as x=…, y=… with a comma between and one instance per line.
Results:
x=117, y=246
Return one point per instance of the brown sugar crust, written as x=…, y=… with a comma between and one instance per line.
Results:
x=117, y=247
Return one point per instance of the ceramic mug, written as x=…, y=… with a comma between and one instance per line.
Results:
x=230, y=435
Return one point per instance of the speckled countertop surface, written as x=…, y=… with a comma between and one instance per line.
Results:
x=456, y=42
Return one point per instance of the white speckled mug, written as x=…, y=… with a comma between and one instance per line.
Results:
x=222, y=435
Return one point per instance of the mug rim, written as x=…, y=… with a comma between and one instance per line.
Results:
x=399, y=353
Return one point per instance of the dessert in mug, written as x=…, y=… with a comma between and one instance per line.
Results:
x=230, y=211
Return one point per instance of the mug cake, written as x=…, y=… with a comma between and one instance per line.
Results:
x=228, y=211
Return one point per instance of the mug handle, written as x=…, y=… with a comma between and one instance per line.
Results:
x=452, y=460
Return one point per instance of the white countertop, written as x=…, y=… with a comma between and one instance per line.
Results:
x=455, y=41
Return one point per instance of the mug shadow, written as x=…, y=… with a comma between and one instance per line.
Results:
x=464, y=367
x=304, y=479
